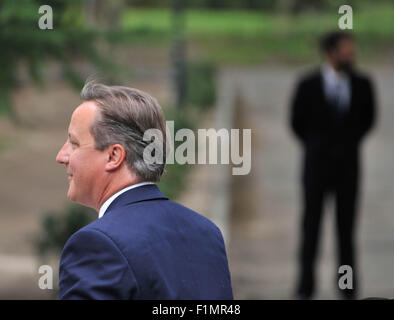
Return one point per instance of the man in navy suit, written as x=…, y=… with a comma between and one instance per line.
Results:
x=143, y=245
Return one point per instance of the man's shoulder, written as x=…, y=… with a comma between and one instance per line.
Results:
x=361, y=77
x=195, y=217
x=309, y=76
x=89, y=238
x=138, y=221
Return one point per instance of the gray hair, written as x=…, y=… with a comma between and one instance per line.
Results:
x=124, y=116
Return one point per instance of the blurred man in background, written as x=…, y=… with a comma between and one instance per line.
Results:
x=332, y=110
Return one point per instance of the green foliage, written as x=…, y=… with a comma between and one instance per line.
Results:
x=201, y=84
x=201, y=94
x=57, y=227
x=21, y=40
x=212, y=4
x=181, y=118
x=266, y=5
x=173, y=179
x=252, y=37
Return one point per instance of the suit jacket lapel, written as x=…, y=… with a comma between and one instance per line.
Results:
x=352, y=88
x=325, y=103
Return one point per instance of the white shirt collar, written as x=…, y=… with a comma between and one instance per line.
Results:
x=336, y=85
x=107, y=203
x=331, y=75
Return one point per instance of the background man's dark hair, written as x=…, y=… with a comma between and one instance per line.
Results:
x=329, y=41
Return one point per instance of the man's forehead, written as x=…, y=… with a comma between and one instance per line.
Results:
x=82, y=117
x=84, y=109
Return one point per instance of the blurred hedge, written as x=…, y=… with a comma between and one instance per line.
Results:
x=201, y=88
x=266, y=5
x=57, y=227
x=23, y=43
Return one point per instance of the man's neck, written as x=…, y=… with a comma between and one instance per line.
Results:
x=113, y=188
x=331, y=66
x=112, y=198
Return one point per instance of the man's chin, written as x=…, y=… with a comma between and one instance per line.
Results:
x=71, y=194
x=71, y=197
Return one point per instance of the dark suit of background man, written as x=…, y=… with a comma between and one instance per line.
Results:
x=332, y=110
x=143, y=245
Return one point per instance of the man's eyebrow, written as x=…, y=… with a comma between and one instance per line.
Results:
x=70, y=135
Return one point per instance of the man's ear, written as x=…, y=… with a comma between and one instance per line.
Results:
x=116, y=155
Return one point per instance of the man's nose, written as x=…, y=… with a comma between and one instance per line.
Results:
x=62, y=156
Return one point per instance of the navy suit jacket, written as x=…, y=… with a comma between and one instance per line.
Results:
x=145, y=247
